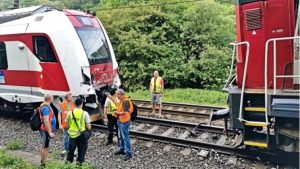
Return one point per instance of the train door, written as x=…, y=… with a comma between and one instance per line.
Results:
x=50, y=77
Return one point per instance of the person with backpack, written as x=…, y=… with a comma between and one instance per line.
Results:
x=47, y=127
x=109, y=115
x=79, y=126
x=66, y=106
x=124, y=109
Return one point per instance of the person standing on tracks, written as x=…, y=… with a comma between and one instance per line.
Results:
x=66, y=106
x=156, y=89
x=48, y=125
x=124, y=108
x=78, y=121
x=109, y=115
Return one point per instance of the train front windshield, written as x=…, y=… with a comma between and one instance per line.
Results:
x=95, y=45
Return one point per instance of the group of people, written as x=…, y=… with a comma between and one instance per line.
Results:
x=74, y=121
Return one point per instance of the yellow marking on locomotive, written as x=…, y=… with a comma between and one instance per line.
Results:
x=256, y=144
x=256, y=124
x=255, y=109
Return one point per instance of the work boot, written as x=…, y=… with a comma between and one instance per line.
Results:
x=127, y=157
x=120, y=153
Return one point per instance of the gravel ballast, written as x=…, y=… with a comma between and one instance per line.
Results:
x=103, y=156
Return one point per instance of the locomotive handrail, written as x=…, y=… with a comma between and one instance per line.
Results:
x=274, y=40
x=244, y=75
x=231, y=66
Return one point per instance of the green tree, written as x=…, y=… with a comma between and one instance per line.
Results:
x=188, y=42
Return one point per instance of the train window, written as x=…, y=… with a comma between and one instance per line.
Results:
x=3, y=56
x=43, y=49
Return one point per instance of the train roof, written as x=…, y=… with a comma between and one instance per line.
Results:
x=6, y=16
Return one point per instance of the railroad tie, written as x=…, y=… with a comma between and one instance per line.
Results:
x=139, y=127
x=204, y=136
x=184, y=135
x=222, y=140
x=168, y=132
x=152, y=130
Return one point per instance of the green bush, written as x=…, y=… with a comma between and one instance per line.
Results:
x=188, y=43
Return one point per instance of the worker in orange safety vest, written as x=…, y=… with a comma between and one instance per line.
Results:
x=66, y=106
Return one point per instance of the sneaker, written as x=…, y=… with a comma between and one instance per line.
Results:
x=127, y=157
x=120, y=153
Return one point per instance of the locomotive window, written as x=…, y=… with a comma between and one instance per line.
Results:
x=43, y=49
x=3, y=56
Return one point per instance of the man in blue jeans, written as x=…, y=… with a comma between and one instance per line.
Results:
x=124, y=109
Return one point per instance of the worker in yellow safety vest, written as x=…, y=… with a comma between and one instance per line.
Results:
x=78, y=121
x=109, y=115
x=156, y=89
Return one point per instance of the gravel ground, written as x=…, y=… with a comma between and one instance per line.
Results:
x=102, y=156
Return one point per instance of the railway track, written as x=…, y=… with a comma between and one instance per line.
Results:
x=178, y=108
x=207, y=138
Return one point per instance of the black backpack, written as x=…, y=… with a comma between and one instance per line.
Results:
x=133, y=116
x=35, y=120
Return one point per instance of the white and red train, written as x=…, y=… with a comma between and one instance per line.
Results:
x=44, y=50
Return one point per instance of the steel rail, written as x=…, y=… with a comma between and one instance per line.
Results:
x=178, y=106
x=181, y=104
x=273, y=157
x=164, y=122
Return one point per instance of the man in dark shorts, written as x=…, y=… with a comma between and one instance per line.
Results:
x=49, y=124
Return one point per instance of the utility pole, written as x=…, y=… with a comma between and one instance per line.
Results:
x=16, y=4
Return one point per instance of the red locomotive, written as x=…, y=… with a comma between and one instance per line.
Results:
x=264, y=90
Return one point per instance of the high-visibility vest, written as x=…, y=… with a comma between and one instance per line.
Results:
x=125, y=117
x=51, y=116
x=73, y=130
x=158, y=88
x=112, y=107
x=64, y=111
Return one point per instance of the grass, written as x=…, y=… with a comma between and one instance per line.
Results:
x=192, y=96
x=16, y=144
x=9, y=162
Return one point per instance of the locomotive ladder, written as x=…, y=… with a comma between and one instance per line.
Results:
x=250, y=134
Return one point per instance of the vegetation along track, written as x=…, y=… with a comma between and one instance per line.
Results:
x=204, y=137
x=178, y=108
